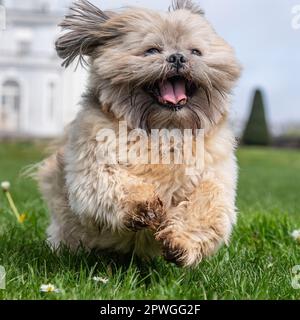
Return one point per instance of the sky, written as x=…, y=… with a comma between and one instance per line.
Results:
x=266, y=44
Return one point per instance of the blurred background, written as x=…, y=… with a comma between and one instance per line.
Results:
x=38, y=97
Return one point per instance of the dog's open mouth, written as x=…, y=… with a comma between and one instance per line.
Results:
x=173, y=92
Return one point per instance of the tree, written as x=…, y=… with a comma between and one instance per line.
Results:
x=256, y=131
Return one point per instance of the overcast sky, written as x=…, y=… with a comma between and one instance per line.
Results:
x=266, y=44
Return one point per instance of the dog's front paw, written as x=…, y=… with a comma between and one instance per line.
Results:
x=173, y=249
x=147, y=214
x=144, y=209
x=182, y=249
x=174, y=253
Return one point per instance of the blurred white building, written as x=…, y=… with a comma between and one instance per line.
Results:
x=37, y=96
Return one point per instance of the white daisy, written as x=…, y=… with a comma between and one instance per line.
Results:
x=100, y=279
x=296, y=235
x=49, y=288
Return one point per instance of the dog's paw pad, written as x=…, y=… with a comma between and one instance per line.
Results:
x=174, y=255
x=146, y=215
x=172, y=250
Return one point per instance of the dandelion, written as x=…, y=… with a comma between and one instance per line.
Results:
x=49, y=288
x=296, y=235
x=22, y=217
x=100, y=279
x=5, y=186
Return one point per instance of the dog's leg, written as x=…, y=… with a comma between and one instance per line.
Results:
x=114, y=202
x=112, y=197
x=196, y=228
x=142, y=207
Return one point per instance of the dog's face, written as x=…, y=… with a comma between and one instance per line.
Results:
x=154, y=70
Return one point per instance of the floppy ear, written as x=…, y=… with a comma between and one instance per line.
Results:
x=186, y=4
x=83, y=32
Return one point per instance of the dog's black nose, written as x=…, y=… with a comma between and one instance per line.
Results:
x=177, y=59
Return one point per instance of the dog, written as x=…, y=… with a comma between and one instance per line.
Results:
x=152, y=70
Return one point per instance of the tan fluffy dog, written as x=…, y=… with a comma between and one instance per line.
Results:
x=154, y=71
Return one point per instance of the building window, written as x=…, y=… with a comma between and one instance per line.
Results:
x=24, y=38
x=10, y=106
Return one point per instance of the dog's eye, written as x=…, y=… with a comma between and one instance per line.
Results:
x=152, y=51
x=196, y=52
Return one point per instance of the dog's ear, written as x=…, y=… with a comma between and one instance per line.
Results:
x=186, y=4
x=84, y=32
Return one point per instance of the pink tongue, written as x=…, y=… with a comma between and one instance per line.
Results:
x=173, y=93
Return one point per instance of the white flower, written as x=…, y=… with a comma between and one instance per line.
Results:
x=296, y=235
x=100, y=279
x=49, y=288
x=5, y=185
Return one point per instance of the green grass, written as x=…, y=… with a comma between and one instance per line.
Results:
x=257, y=265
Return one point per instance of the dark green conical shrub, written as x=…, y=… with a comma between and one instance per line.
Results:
x=256, y=131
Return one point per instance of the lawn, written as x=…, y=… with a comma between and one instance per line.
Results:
x=257, y=265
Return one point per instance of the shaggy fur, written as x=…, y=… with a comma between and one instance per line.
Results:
x=146, y=208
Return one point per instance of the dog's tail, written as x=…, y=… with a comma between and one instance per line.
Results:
x=31, y=171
